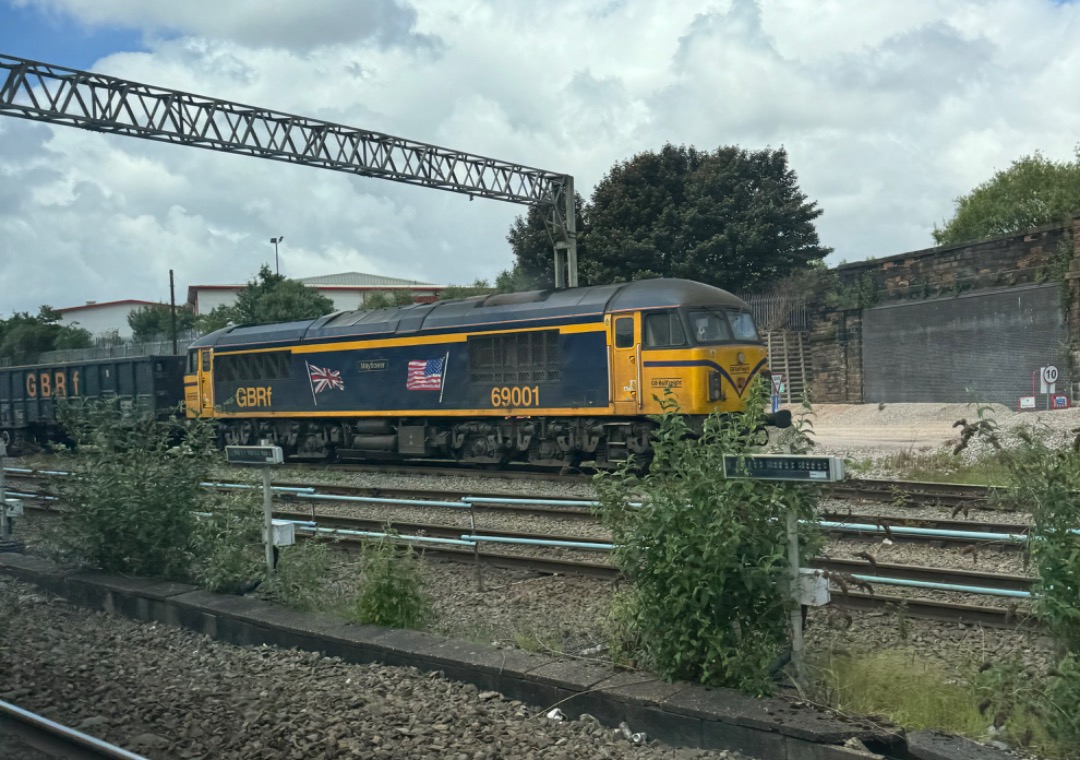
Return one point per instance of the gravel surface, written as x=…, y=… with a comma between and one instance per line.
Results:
x=169, y=693
x=569, y=614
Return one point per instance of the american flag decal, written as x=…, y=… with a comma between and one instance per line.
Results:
x=425, y=374
x=321, y=379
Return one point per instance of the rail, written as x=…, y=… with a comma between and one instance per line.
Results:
x=54, y=739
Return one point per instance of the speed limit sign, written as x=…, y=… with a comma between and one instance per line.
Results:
x=1050, y=374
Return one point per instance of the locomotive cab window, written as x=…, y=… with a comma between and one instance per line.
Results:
x=664, y=329
x=743, y=325
x=624, y=332
x=192, y=362
x=709, y=327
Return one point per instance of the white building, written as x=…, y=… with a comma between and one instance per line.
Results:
x=102, y=318
x=347, y=290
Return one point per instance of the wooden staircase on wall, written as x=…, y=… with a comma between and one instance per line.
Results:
x=788, y=355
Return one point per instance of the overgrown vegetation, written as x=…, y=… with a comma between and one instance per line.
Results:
x=228, y=554
x=392, y=591
x=705, y=557
x=901, y=685
x=858, y=294
x=136, y=506
x=132, y=501
x=1010, y=700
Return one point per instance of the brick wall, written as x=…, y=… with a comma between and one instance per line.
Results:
x=1032, y=257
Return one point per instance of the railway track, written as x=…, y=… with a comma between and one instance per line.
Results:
x=27, y=735
x=306, y=507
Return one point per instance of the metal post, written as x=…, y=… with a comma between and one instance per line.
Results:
x=172, y=320
x=796, y=609
x=571, y=234
x=268, y=522
x=277, y=264
x=5, y=526
x=476, y=548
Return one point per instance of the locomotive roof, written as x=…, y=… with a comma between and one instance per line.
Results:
x=539, y=307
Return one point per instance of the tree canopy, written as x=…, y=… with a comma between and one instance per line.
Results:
x=23, y=336
x=269, y=298
x=1032, y=192
x=155, y=321
x=730, y=217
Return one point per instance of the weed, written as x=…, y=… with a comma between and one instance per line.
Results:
x=392, y=592
x=900, y=686
x=228, y=551
x=300, y=578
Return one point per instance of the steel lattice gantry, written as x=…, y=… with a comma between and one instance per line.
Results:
x=40, y=91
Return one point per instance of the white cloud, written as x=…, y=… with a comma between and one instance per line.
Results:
x=888, y=112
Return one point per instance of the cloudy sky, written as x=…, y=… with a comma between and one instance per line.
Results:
x=888, y=111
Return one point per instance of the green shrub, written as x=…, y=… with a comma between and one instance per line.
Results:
x=706, y=556
x=300, y=580
x=131, y=501
x=392, y=592
x=229, y=556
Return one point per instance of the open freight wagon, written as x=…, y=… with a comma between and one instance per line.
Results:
x=30, y=395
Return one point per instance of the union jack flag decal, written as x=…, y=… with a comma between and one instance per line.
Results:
x=322, y=379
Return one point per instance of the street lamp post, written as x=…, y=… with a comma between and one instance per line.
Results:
x=275, y=241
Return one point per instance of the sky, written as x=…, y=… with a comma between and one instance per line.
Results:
x=888, y=111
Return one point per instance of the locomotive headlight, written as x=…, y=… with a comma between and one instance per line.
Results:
x=716, y=388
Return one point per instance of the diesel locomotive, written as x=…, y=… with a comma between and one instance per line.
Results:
x=546, y=377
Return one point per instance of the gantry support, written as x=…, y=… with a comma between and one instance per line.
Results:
x=42, y=92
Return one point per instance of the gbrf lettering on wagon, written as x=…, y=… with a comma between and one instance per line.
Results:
x=548, y=377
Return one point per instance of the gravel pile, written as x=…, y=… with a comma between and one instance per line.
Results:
x=169, y=693
x=931, y=422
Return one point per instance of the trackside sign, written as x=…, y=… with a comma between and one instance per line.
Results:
x=807, y=469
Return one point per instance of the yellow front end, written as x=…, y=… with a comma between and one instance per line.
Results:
x=702, y=380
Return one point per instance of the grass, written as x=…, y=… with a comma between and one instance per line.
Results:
x=905, y=688
x=901, y=687
x=938, y=466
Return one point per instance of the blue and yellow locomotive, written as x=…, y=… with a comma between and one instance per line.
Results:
x=547, y=377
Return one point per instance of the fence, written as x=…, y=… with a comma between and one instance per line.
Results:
x=775, y=313
x=112, y=347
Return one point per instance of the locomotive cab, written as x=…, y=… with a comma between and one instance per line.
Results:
x=199, y=383
x=703, y=357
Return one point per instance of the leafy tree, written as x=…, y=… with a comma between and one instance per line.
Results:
x=732, y=218
x=275, y=298
x=219, y=317
x=268, y=298
x=23, y=337
x=381, y=299
x=1032, y=192
x=478, y=288
x=533, y=247
x=149, y=322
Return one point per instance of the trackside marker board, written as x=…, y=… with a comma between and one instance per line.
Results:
x=806, y=469
x=273, y=535
x=253, y=455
